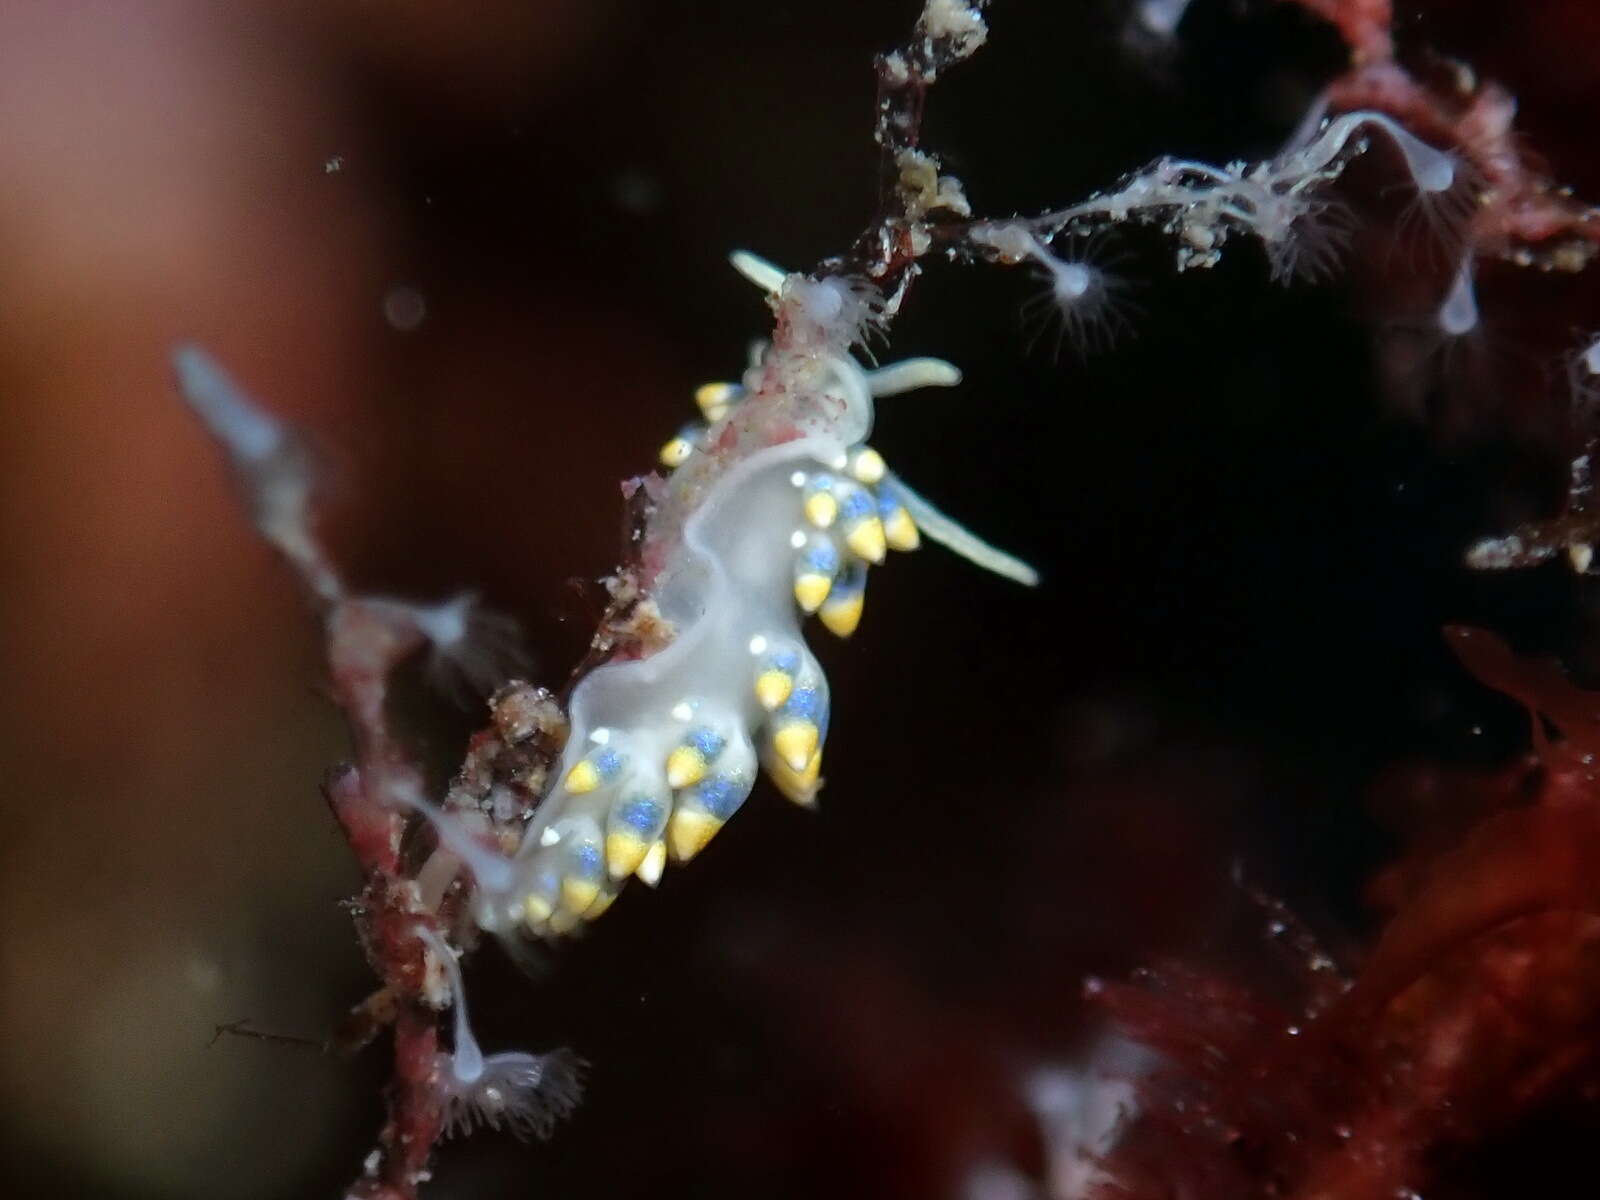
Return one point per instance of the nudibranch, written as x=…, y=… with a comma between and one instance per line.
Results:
x=773, y=511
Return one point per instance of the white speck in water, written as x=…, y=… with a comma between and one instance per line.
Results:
x=636, y=191
x=334, y=165
x=404, y=308
x=203, y=974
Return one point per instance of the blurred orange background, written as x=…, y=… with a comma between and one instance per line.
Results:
x=477, y=250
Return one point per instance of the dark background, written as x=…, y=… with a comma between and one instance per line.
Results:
x=1248, y=517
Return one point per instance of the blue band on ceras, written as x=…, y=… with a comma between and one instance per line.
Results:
x=583, y=877
x=792, y=754
x=599, y=767
x=541, y=896
x=691, y=758
x=841, y=611
x=634, y=829
x=815, y=566
x=899, y=530
x=852, y=526
x=859, y=524
x=701, y=810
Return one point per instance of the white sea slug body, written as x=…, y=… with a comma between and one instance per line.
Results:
x=775, y=509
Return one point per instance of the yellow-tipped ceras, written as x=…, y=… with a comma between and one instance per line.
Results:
x=859, y=522
x=775, y=678
x=680, y=446
x=899, y=530
x=815, y=567
x=716, y=399
x=818, y=503
x=689, y=760
x=600, y=766
x=797, y=729
x=633, y=827
x=702, y=810
x=841, y=611
x=867, y=465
